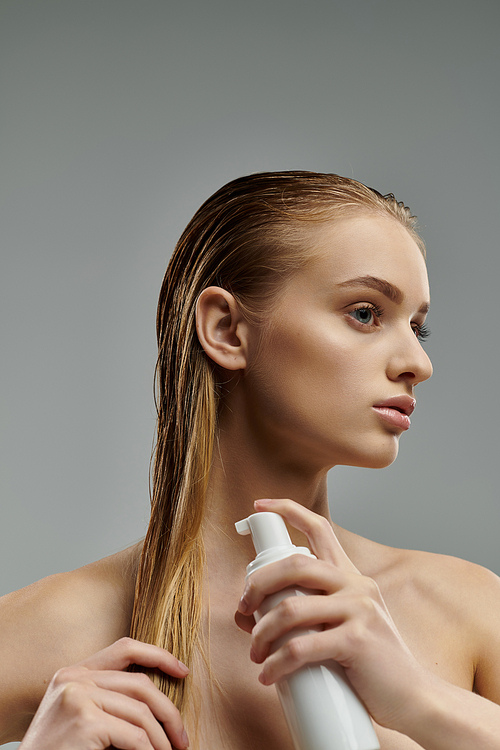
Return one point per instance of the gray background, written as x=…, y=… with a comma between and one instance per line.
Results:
x=118, y=118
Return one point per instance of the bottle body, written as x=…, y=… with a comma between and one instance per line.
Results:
x=322, y=710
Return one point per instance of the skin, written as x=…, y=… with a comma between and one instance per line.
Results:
x=416, y=633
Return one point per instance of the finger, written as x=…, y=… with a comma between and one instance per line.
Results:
x=294, y=571
x=306, y=649
x=136, y=713
x=139, y=687
x=83, y=715
x=318, y=529
x=122, y=735
x=296, y=615
x=355, y=626
x=127, y=651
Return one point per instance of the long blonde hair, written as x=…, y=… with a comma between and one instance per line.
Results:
x=247, y=238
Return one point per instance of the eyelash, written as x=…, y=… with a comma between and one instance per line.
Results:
x=420, y=331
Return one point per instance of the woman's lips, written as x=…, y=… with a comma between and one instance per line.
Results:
x=396, y=411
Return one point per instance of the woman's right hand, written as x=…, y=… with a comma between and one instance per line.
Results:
x=95, y=704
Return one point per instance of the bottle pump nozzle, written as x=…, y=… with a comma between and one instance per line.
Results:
x=267, y=529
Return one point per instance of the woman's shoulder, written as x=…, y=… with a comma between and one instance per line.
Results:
x=434, y=576
x=461, y=601
x=442, y=580
x=433, y=579
x=443, y=586
x=445, y=596
x=93, y=599
x=58, y=621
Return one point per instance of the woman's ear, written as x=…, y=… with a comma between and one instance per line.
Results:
x=221, y=328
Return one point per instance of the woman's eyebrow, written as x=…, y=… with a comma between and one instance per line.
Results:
x=389, y=290
x=381, y=285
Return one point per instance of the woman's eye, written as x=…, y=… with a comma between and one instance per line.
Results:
x=364, y=315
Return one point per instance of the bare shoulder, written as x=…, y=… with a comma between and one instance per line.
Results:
x=56, y=622
x=468, y=596
x=443, y=600
x=460, y=588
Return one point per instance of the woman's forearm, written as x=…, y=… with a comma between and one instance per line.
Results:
x=449, y=718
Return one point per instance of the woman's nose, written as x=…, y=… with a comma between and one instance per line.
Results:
x=410, y=361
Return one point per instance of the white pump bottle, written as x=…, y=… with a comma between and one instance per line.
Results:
x=320, y=706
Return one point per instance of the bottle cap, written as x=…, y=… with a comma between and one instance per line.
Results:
x=268, y=530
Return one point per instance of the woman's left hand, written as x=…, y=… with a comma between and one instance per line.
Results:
x=357, y=629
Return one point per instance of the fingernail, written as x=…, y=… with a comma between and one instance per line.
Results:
x=183, y=667
x=253, y=655
x=262, y=679
x=243, y=606
x=263, y=501
x=185, y=739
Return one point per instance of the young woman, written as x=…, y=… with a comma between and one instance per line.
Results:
x=289, y=327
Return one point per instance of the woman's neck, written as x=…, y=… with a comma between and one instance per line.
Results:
x=242, y=472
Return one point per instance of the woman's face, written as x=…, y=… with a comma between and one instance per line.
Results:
x=334, y=380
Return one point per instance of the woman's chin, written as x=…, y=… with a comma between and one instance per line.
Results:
x=378, y=459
